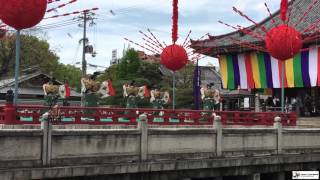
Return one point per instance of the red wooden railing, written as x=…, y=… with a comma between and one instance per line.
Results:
x=120, y=116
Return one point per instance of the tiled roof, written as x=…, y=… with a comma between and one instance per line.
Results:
x=34, y=91
x=223, y=45
x=24, y=77
x=8, y=84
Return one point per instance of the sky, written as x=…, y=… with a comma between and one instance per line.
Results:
x=130, y=16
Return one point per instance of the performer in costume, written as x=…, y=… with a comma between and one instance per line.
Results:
x=50, y=93
x=159, y=98
x=93, y=91
x=64, y=92
x=217, y=100
x=89, y=89
x=132, y=94
x=106, y=89
x=210, y=98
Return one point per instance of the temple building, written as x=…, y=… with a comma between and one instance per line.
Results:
x=30, y=87
x=244, y=68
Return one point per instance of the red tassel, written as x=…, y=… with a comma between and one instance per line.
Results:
x=112, y=92
x=146, y=92
x=175, y=21
x=283, y=10
x=67, y=89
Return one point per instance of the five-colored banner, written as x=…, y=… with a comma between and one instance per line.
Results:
x=258, y=70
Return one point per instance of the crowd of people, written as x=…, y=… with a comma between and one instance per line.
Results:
x=306, y=106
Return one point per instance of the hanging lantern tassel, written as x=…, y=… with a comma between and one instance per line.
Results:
x=175, y=22
x=283, y=10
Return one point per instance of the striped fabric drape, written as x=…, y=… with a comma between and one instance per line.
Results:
x=258, y=70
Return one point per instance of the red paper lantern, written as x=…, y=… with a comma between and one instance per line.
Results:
x=283, y=42
x=174, y=57
x=22, y=14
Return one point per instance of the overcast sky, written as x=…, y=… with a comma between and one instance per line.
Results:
x=130, y=16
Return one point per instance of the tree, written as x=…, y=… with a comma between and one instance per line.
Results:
x=35, y=52
x=185, y=76
x=151, y=72
x=129, y=65
x=144, y=73
x=70, y=72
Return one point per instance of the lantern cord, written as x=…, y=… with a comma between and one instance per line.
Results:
x=243, y=30
x=185, y=42
x=165, y=44
x=249, y=19
x=151, y=47
x=311, y=38
x=283, y=10
x=61, y=6
x=270, y=15
x=55, y=26
x=154, y=37
x=310, y=7
x=312, y=27
x=175, y=17
x=200, y=51
x=53, y=1
x=72, y=13
x=143, y=47
x=60, y=23
x=201, y=58
x=247, y=45
x=152, y=44
x=289, y=16
x=207, y=34
x=152, y=40
x=198, y=56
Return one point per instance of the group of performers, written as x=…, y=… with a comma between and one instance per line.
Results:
x=93, y=90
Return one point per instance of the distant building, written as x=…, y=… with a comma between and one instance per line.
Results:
x=149, y=58
x=114, y=59
x=30, y=87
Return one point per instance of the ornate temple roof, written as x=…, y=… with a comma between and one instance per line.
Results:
x=30, y=83
x=223, y=45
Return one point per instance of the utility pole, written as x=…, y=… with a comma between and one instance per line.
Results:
x=84, y=42
x=88, y=18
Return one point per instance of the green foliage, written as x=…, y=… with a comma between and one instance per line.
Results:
x=151, y=73
x=184, y=98
x=35, y=52
x=144, y=73
x=129, y=65
x=185, y=76
x=132, y=68
x=70, y=72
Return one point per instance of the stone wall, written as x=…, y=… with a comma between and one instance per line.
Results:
x=145, y=149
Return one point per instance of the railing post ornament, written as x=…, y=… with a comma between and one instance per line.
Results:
x=143, y=127
x=218, y=126
x=278, y=126
x=46, y=142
